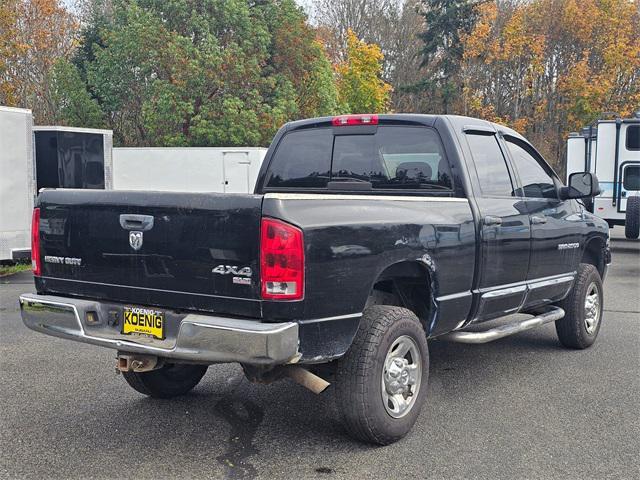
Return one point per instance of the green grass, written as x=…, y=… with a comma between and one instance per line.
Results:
x=15, y=268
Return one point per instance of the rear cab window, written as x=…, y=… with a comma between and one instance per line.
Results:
x=392, y=158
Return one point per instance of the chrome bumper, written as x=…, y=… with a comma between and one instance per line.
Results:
x=200, y=338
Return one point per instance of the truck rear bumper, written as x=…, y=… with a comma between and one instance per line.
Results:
x=200, y=338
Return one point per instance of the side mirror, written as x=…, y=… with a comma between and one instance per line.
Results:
x=581, y=185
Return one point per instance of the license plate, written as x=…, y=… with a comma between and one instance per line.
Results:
x=145, y=321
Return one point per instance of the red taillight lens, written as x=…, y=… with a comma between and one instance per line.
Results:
x=35, y=242
x=349, y=120
x=281, y=260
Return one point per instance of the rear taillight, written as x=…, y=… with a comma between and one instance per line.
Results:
x=281, y=260
x=35, y=242
x=349, y=120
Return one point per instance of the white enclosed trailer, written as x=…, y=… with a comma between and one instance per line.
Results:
x=611, y=150
x=187, y=169
x=70, y=157
x=17, y=183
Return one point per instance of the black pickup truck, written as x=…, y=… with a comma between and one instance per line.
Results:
x=366, y=236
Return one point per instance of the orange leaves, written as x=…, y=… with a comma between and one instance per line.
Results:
x=34, y=34
x=550, y=66
x=360, y=87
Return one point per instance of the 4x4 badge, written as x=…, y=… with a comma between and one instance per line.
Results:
x=232, y=270
x=135, y=240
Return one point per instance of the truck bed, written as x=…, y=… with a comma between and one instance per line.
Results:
x=87, y=251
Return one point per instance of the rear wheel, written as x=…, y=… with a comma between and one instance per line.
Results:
x=381, y=382
x=632, y=218
x=583, y=310
x=171, y=380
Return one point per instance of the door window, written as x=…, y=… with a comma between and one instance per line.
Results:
x=490, y=165
x=631, y=178
x=537, y=182
x=632, y=141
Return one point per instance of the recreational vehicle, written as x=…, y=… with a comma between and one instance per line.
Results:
x=611, y=150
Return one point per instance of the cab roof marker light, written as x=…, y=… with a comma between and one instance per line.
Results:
x=351, y=120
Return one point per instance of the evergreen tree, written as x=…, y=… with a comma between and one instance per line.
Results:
x=445, y=22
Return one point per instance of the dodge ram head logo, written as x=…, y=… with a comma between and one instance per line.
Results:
x=135, y=240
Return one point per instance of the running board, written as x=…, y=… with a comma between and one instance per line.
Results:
x=549, y=315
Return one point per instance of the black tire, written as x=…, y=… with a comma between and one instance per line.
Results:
x=632, y=218
x=171, y=380
x=358, y=376
x=573, y=331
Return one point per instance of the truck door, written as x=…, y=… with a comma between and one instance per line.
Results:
x=556, y=225
x=504, y=228
x=236, y=172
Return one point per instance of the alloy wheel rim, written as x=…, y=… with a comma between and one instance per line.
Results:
x=592, y=309
x=401, y=376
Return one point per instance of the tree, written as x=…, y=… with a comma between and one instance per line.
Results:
x=393, y=25
x=11, y=50
x=360, y=88
x=71, y=103
x=38, y=32
x=546, y=68
x=204, y=72
x=445, y=22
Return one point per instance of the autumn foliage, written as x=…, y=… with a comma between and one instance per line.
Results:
x=230, y=72
x=360, y=88
x=34, y=35
x=548, y=67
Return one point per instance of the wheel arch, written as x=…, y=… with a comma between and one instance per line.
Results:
x=409, y=284
x=594, y=254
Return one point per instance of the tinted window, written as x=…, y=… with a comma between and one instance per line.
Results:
x=631, y=179
x=302, y=159
x=392, y=158
x=490, y=165
x=536, y=181
x=395, y=158
x=633, y=137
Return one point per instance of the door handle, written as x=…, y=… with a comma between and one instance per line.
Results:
x=492, y=220
x=536, y=220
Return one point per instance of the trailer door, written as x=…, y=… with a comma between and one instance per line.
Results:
x=236, y=172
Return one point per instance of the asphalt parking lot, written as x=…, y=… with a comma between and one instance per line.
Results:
x=521, y=407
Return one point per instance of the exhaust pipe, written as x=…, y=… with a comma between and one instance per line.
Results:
x=307, y=379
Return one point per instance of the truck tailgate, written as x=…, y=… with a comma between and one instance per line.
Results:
x=191, y=251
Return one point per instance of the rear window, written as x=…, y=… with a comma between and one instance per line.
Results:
x=302, y=159
x=392, y=158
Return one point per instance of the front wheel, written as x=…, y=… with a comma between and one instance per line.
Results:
x=583, y=310
x=168, y=381
x=381, y=382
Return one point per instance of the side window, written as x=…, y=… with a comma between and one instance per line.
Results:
x=536, y=181
x=302, y=159
x=490, y=165
x=631, y=179
x=632, y=141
